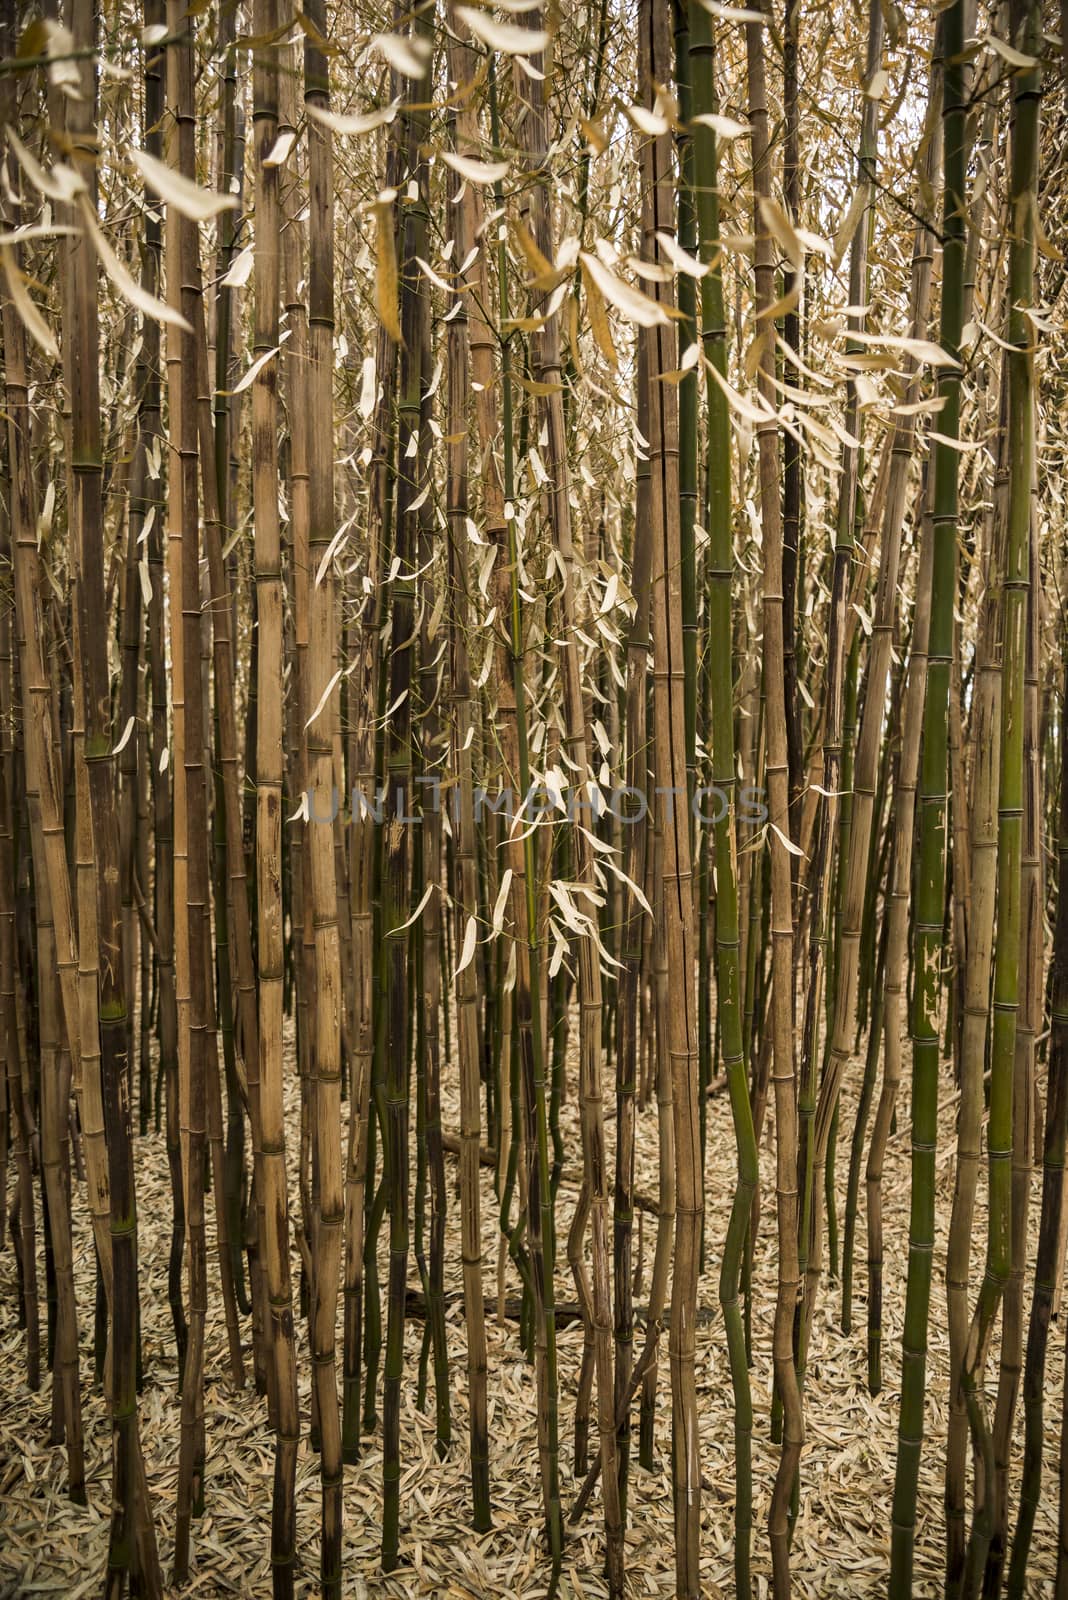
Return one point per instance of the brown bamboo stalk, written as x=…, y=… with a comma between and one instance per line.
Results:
x=323, y=782
x=462, y=815
x=191, y=889
x=132, y=1546
x=675, y=877
x=782, y=936
x=19, y=1114
x=547, y=370
x=269, y=728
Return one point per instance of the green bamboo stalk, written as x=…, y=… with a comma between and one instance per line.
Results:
x=324, y=779
x=1053, y=1195
x=675, y=877
x=986, y=737
x=814, y=1127
x=781, y=917
x=414, y=307
x=132, y=1542
x=720, y=627
x=462, y=813
x=930, y=889
x=1014, y=602
x=526, y=999
x=268, y=824
x=1024, y=1106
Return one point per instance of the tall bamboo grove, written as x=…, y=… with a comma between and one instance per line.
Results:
x=532, y=682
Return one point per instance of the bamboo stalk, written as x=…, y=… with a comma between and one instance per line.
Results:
x=728, y=943
x=462, y=814
x=275, y=1240
x=675, y=877
x=931, y=850
x=782, y=935
x=1010, y=921
x=323, y=781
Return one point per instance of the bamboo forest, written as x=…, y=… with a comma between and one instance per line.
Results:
x=533, y=799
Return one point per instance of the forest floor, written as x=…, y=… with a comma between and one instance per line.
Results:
x=842, y=1538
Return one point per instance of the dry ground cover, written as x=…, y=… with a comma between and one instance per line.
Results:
x=49, y=1547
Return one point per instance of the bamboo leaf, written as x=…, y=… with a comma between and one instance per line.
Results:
x=507, y=38
x=280, y=150
x=1008, y=53
x=501, y=900
x=61, y=184
x=386, y=284
x=599, y=323
x=646, y=121
x=681, y=259
x=468, y=951
x=418, y=910
x=787, y=843
x=253, y=372
x=357, y=124
x=28, y=313
x=409, y=57
x=723, y=127
x=475, y=171
x=637, y=308
x=126, y=286
x=368, y=388
x=323, y=698
x=198, y=204
x=240, y=269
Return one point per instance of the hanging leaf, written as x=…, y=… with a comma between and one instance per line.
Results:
x=418, y=910
x=635, y=307
x=386, y=287
x=732, y=13
x=475, y=171
x=646, y=121
x=61, y=184
x=253, y=372
x=788, y=844
x=924, y=350
x=681, y=259
x=368, y=388
x=849, y=224
x=722, y=127
x=198, y=204
x=505, y=37
x=501, y=900
x=323, y=698
x=602, y=330
x=362, y=122
x=468, y=951
x=1013, y=57
x=409, y=57
x=126, y=286
x=28, y=313
x=280, y=150
x=240, y=269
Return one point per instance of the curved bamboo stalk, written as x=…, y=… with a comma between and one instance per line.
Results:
x=397, y=853
x=462, y=69
x=546, y=368
x=323, y=783
x=931, y=851
x=721, y=627
x=275, y=1241
x=675, y=877
x=777, y=766
x=1016, y=589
